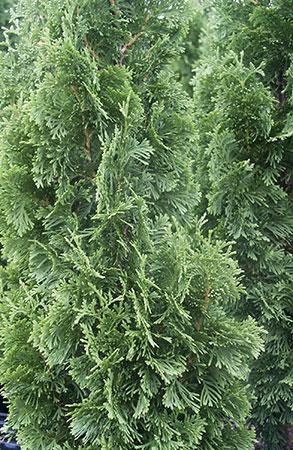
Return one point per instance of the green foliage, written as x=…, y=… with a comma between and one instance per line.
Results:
x=185, y=65
x=113, y=326
x=5, y=6
x=243, y=97
x=6, y=14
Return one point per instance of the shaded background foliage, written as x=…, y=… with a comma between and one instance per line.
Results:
x=243, y=101
x=5, y=6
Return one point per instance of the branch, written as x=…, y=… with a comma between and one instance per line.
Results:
x=88, y=140
x=112, y=2
x=132, y=41
x=87, y=44
x=128, y=46
x=205, y=308
x=75, y=93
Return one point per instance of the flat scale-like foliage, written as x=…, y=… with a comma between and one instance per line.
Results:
x=113, y=330
x=243, y=98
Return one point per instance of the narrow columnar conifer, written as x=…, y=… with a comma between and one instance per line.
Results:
x=113, y=329
x=244, y=114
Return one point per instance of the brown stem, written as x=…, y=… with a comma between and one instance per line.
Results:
x=135, y=38
x=128, y=46
x=205, y=308
x=112, y=2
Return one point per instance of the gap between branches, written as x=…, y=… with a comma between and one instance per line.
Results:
x=205, y=308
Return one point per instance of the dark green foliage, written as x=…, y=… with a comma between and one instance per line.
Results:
x=243, y=97
x=113, y=330
x=5, y=8
x=186, y=63
x=5, y=5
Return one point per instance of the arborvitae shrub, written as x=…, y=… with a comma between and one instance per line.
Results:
x=113, y=330
x=243, y=98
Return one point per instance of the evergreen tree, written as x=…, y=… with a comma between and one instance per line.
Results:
x=114, y=334
x=243, y=97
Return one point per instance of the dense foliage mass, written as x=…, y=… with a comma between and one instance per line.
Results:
x=5, y=7
x=113, y=330
x=185, y=65
x=244, y=113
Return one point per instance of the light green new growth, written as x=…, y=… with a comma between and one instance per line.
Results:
x=113, y=329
